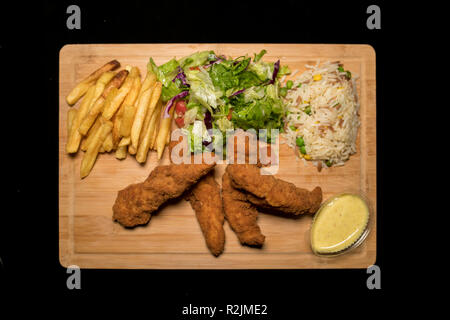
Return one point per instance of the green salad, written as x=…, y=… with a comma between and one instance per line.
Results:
x=210, y=91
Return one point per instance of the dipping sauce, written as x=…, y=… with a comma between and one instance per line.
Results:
x=339, y=223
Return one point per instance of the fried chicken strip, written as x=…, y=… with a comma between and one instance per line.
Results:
x=135, y=204
x=240, y=214
x=206, y=201
x=268, y=192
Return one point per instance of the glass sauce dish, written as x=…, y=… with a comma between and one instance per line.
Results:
x=340, y=225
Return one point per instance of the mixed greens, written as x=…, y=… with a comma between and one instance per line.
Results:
x=222, y=93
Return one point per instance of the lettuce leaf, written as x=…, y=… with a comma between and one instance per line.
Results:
x=248, y=79
x=259, y=55
x=230, y=78
x=151, y=66
x=196, y=134
x=224, y=124
x=259, y=108
x=192, y=104
x=263, y=70
x=271, y=91
x=165, y=74
x=202, y=89
x=196, y=59
x=240, y=66
x=284, y=70
x=190, y=116
x=254, y=93
x=222, y=77
x=169, y=68
x=170, y=91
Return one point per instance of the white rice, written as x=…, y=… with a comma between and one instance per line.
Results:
x=330, y=131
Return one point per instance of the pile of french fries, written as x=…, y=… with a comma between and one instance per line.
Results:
x=117, y=113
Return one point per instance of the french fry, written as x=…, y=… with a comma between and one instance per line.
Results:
x=168, y=137
x=163, y=132
x=100, y=85
x=158, y=120
x=111, y=109
x=82, y=87
x=115, y=82
x=108, y=143
x=141, y=108
x=127, y=120
x=124, y=142
x=134, y=92
x=146, y=138
x=74, y=139
x=135, y=72
x=105, y=85
x=71, y=114
x=117, y=121
x=121, y=152
x=112, y=65
x=96, y=111
x=131, y=149
x=155, y=97
x=77, y=92
x=141, y=112
x=154, y=135
x=91, y=153
x=130, y=99
x=98, y=106
x=90, y=135
x=109, y=99
x=148, y=82
x=147, y=120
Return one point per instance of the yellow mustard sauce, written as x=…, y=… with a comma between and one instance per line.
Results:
x=339, y=223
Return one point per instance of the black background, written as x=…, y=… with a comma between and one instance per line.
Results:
x=31, y=38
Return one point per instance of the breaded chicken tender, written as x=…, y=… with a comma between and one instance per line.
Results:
x=240, y=214
x=268, y=192
x=206, y=201
x=135, y=204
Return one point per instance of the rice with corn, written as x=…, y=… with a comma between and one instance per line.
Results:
x=322, y=114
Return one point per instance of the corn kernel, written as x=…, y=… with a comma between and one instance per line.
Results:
x=307, y=157
x=317, y=77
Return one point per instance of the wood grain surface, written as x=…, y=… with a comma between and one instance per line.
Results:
x=89, y=238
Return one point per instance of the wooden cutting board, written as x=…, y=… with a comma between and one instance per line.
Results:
x=173, y=240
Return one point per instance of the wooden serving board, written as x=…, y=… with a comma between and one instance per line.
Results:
x=173, y=240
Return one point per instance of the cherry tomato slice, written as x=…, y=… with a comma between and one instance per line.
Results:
x=179, y=122
x=180, y=107
x=230, y=114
